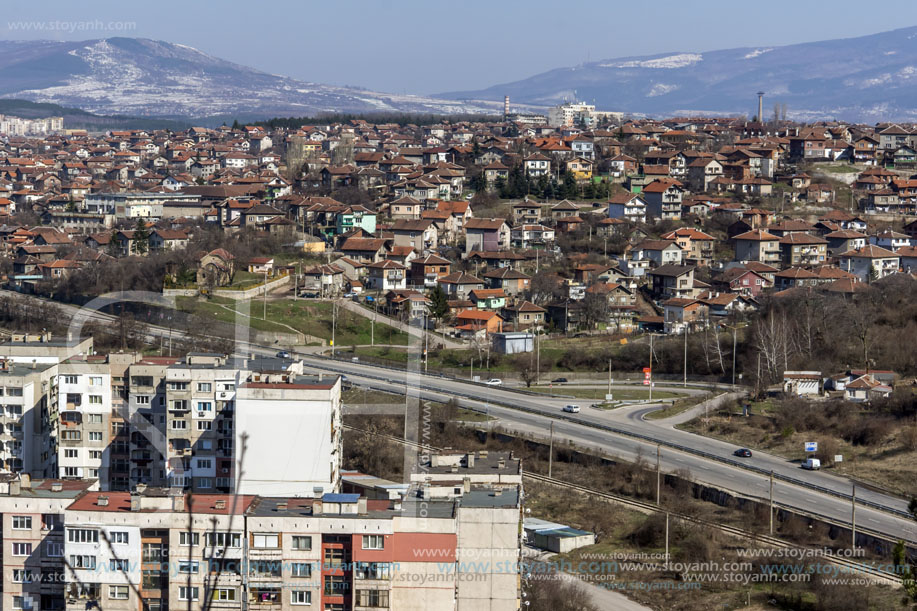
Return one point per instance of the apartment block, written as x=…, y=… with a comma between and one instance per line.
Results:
x=82, y=389
x=32, y=540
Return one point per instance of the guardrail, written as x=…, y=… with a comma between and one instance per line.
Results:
x=649, y=438
x=731, y=530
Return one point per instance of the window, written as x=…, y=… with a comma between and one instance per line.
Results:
x=70, y=436
x=92, y=473
x=82, y=535
x=179, y=424
x=71, y=453
x=373, y=542
x=23, y=576
x=95, y=418
x=95, y=435
x=224, y=594
x=204, y=387
x=372, y=570
x=21, y=602
x=95, y=399
x=204, y=406
x=372, y=598
x=151, y=579
x=22, y=522
x=188, y=566
x=142, y=400
x=178, y=386
x=118, y=592
x=301, y=542
x=119, y=536
x=118, y=564
x=82, y=561
x=186, y=538
x=71, y=379
x=204, y=425
x=301, y=569
x=223, y=539
x=265, y=541
x=205, y=483
x=336, y=585
x=188, y=593
x=265, y=568
x=224, y=482
x=95, y=454
x=152, y=552
x=300, y=597
x=54, y=549
x=204, y=463
x=95, y=380
x=71, y=472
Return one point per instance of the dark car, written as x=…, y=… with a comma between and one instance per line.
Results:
x=559, y=381
x=743, y=452
x=283, y=354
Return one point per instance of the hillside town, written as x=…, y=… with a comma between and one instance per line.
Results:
x=760, y=266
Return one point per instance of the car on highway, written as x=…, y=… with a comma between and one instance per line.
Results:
x=283, y=354
x=743, y=452
x=812, y=464
x=559, y=381
x=573, y=409
x=494, y=382
x=350, y=295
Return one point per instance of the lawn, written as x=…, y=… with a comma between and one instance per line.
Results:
x=619, y=394
x=306, y=316
x=838, y=168
x=677, y=407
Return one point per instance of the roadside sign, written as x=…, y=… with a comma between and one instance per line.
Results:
x=838, y=458
x=609, y=397
x=811, y=446
x=647, y=370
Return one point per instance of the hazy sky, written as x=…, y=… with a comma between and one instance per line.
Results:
x=433, y=46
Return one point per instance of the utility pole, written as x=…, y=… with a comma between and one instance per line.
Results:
x=651, y=366
x=667, y=540
x=734, y=330
x=551, y=451
x=686, y=358
x=264, y=301
x=658, y=475
x=537, y=358
x=472, y=369
x=334, y=311
x=609, y=376
x=772, y=505
x=853, y=518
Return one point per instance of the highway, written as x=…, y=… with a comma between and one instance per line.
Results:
x=625, y=434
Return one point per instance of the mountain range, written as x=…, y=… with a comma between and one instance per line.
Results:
x=868, y=78
x=149, y=78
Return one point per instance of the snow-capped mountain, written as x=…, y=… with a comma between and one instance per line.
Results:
x=141, y=77
x=869, y=78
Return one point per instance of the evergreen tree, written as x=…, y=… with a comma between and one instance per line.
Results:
x=141, y=237
x=439, y=303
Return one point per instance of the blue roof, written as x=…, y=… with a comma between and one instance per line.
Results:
x=340, y=498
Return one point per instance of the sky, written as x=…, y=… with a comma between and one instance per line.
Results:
x=434, y=46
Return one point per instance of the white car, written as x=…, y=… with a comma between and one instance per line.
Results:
x=573, y=409
x=494, y=382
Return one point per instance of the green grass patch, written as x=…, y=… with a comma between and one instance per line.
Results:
x=677, y=407
x=628, y=394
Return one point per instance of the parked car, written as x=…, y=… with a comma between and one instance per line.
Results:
x=494, y=382
x=812, y=464
x=559, y=381
x=309, y=295
x=283, y=354
x=743, y=452
x=573, y=409
x=350, y=295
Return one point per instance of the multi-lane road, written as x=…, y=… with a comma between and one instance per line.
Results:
x=624, y=433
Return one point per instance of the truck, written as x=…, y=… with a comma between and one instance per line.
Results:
x=812, y=464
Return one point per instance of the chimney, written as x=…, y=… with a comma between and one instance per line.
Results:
x=282, y=506
x=135, y=502
x=466, y=484
x=469, y=460
x=57, y=487
x=760, y=107
x=178, y=502
x=317, y=507
x=505, y=105
x=25, y=480
x=102, y=501
x=361, y=505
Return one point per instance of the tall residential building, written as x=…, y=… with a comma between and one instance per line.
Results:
x=32, y=536
x=290, y=425
x=82, y=389
x=569, y=114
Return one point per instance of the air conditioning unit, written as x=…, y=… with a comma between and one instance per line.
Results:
x=200, y=414
x=225, y=470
